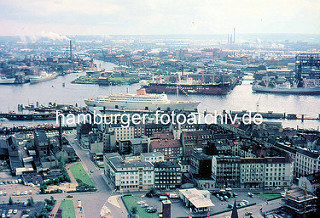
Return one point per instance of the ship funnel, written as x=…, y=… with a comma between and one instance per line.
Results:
x=141, y=92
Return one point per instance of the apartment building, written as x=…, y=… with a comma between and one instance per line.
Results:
x=226, y=171
x=306, y=161
x=167, y=175
x=172, y=149
x=122, y=132
x=128, y=175
x=152, y=157
x=240, y=172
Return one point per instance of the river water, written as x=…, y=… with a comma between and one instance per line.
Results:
x=241, y=98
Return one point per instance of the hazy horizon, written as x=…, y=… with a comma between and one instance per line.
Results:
x=158, y=17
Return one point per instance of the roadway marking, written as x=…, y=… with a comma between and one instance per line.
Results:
x=114, y=200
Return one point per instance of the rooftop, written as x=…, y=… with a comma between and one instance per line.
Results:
x=118, y=162
x=197, y=197
x=166, y=143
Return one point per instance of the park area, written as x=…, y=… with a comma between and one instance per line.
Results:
x=80, y=174
x=271, y=196
x=131, y=202
x=67, y=209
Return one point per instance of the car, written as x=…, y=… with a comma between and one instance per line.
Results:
x=149, y=195
x=25, y=192
x=221, y=198
x=10, y=211
x=229, y=194
x=5, y=193
x=248, y=213
x=250, y=194
x=1, y=193
x=230, y=206
x=151, y=210
x=145, y=205
x=15, y=211
x=226, y=198
x=245, y=201
x=163, y=194
x=13, y=194
x=235, y=194
x=162, y=198
x=69, y=196
x=173, y=195
x=18, y=193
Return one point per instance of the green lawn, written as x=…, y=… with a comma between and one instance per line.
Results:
x=130, y=202
x=67, y=209
x=79, y=173
x=271, y=196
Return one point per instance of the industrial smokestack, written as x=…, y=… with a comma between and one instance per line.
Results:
x=70, y=50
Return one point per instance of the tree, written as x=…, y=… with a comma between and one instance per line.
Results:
x=134, y=211
x=30, y=201
x=10, y=201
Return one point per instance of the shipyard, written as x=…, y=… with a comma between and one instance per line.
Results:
x=150, y=109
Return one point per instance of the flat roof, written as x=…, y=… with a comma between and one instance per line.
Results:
x=197, y=198
x=152, y=154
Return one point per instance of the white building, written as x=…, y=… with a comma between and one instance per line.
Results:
x=152, y=157
x=306, y=162
x=133, y=175
x=122, y=132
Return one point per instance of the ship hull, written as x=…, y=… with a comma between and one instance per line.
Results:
x=206, y=89
x=7, y=81
x=123, y=105
x=294, y=91
x=43, y=79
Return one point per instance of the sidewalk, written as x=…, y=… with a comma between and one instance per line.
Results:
x=77, y=210
x=55, y=209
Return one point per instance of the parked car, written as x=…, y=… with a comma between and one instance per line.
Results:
x=230, y=206
x=248, y=213
x=245, y=201
x=235, y=194
x=173, y=195
x=149, y=195
x=162, y=198
x=151, y=211
x=250, y=194
x=69, y=196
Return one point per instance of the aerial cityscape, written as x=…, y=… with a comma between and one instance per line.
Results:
x=159, y=109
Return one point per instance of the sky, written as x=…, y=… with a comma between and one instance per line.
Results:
x=157, y=17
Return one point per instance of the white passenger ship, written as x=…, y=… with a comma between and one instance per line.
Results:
x=141, y=101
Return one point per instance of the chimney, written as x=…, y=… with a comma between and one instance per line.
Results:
x=70, y=50
x=60, y=132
